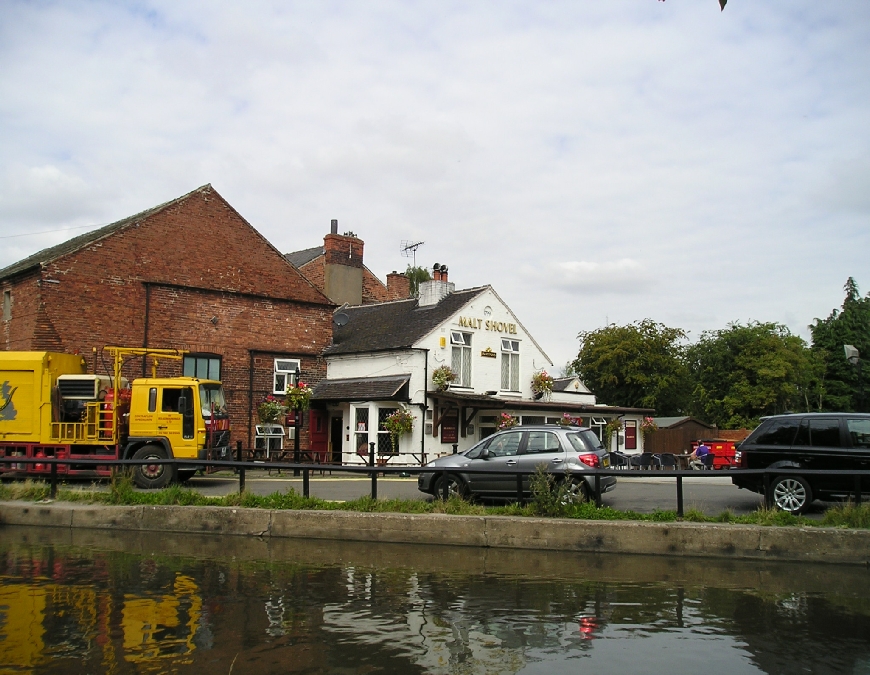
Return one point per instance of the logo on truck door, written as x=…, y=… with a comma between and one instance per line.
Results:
x=7, y=410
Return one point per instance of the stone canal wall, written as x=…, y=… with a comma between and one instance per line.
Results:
x=747, y=542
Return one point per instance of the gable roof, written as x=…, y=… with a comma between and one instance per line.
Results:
x=51, y=254
x=566, y=385
x=671, y=422
x=300, y=258
x=394, y=325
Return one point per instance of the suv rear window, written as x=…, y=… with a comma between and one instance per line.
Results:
x=823, y=433
x=859, y=432
x=777, y=432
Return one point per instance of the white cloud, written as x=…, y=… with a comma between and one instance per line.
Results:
x=635, y=159
x=624, y=276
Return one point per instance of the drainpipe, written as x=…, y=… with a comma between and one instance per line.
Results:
x=147, y=314
x=424, y=406
x=250, y=397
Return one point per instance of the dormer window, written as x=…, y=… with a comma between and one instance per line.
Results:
x=461, y=357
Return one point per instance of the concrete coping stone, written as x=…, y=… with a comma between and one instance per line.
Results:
x=710, y=540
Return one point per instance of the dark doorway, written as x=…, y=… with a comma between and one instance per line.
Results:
x=336, y=433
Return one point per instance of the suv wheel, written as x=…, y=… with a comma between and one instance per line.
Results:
x=455, y=487
x=575, y=492
x=791, y=494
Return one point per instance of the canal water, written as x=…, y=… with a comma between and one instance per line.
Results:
x=91, y=602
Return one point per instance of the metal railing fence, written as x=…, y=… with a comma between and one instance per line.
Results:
x=243, y=467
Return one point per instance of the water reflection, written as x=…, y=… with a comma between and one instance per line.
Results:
x=126, y=603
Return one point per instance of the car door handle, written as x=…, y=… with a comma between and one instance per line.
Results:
x=558, y=460
x=159, y=427
x=511, y=462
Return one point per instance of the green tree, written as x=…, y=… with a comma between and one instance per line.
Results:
x=849, y=325
x=742, y=373
x=639, y=365
x=417, y=275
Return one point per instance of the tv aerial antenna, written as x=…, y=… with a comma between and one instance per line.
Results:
x=409, y=249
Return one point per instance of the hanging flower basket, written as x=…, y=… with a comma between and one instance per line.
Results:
x=398, y=424
x=298, y=396
x=613, y=426
x=570, y=421
x=270, y=409
x=542, y=385
x=442, y=377
x=648, y=426
x=506, y=421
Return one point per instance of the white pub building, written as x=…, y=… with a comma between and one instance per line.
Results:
x=383, y=358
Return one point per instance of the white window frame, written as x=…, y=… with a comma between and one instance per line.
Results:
x=285, y=370
x=461, y=344
x=510, y=365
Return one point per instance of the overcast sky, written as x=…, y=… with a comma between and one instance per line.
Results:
x=594, y=162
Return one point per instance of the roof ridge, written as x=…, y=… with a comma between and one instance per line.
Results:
x=77, y=243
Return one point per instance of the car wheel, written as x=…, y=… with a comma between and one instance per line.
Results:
x=576, y=491
x=791, y=494
x=455, y=487
x=152, y=476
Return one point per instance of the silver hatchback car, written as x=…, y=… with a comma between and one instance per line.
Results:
x=569, y=451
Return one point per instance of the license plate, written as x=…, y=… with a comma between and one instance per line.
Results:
x=605, y=461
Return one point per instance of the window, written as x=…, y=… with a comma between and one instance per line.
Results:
x=778, y=432
x=510, y=365
x=859, y=431
x=823, y=433
x=597, y=425
x=285, y=374
x=152, y=399
x=542, y=441
x=461, y=361
x=203, y=366
x=7, y=305
x=361, y=420
x=532, y=419
x=171, y=400
x=385, y=443
x=505, y=445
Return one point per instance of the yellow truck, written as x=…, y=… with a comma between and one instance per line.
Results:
x=51, y=407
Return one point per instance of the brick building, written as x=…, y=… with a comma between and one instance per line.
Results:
x=337, y=269
x=189, y=274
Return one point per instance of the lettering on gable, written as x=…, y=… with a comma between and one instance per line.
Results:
x=494, y=326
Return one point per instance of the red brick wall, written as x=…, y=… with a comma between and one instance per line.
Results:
x=17, y=333
x=181, y=266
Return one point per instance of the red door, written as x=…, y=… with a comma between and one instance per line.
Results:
x=319, y=434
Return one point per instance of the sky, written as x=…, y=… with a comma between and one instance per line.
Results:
x=595, y=162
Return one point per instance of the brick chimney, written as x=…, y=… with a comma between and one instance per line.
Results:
x=343, y=267
x=398, y=286
x=433, y=292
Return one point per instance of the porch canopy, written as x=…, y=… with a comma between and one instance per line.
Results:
x=386, y=388
x=468, y=405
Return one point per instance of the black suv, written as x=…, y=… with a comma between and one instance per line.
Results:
x=832, y=441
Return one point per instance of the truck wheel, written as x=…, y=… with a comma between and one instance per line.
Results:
x=152, y=476
x=791, y=494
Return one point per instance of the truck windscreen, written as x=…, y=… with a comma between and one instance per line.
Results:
x=212, y=398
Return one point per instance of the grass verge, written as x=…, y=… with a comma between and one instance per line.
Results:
x=548, y=500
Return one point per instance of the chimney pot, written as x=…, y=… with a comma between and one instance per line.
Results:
x=333, y=226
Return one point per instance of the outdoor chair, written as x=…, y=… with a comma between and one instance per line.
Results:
x=619, y=460
x=707, y=460
x=648, y=461
x=667, y=461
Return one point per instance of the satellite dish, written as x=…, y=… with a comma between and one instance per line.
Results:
x=340, y=319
